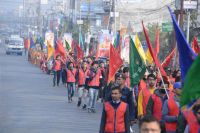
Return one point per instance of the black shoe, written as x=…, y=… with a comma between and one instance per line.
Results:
x=69, y=100
x=79, y=103
x=93, y=110
x=84, y=107
x=89, y=110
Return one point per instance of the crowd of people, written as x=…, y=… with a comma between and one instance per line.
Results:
x=154, y=102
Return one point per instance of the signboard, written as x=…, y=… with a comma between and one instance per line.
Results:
x=104, y=44
x=190, y=4
x=79, y=22
x=49, y=36
x=167, y=27
x=125, y=48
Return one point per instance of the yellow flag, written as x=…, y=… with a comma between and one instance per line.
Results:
x=50, y=50
x=149, y=57
x=28, y=41
x=140, y=48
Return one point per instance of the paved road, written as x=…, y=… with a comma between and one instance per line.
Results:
x=29, y=103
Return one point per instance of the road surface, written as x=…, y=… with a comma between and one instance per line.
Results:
x=30, y=104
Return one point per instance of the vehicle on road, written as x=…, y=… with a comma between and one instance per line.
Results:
x=14, y=44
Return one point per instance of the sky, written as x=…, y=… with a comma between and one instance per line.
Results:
x=10, y=5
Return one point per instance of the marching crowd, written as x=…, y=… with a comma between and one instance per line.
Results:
x=155, y=101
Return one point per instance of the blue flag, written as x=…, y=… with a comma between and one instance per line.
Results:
x=186, y=54
x=32, y=44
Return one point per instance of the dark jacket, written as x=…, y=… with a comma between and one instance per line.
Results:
x=127, y=97
x=126, y=118
x=150, y=104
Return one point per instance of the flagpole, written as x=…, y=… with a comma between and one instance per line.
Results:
x=163, y=83
x=188, y=26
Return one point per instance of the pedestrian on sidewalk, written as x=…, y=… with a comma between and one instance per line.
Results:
x=56, y=70
x=115, y=115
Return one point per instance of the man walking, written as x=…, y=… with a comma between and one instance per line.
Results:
x=115, y=116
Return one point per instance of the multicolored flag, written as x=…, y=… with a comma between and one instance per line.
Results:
x=140, y=49
x=137, y=65
x=67, y=46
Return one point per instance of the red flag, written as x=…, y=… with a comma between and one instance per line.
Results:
x=60, y=49
x=72, y=46
x=80, y=53
x=157, y=46
x=195, y=46
x=168, y=58
x=115, y=63
x=56, y=53
x=157, y=63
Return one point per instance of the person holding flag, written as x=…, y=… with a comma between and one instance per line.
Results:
x=82, y=91
x=93, y=82
x=171, y=109
x=156, y=101
x=56, y=70
x=71, y=80
x=145, y=94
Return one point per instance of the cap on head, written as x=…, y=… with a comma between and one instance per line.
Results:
x=120, y=75
x=177, y=85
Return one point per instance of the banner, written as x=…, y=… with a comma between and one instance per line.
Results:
x=49, y=36
x=125, y=48
x=104, y=44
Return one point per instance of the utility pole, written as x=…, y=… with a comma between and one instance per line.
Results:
x=89, y=16
x=79, y=39
x=39, y=17
x=188, y=26
x=181, y=14
x=115, y=16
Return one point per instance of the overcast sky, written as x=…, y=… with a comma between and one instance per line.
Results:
x=10, y=4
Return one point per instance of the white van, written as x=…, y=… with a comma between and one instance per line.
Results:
x=15, y=44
